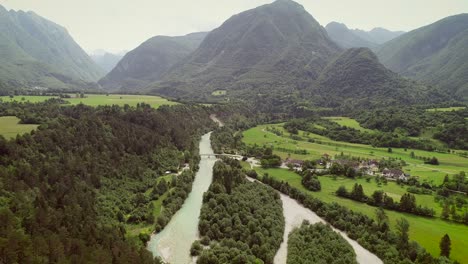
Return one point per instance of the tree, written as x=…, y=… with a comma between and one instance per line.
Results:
x=381, y=216
x=445, y=246
x=358, y=192
x=402, y=228
x=408, y=203
x=342, y=191
x=445, y=211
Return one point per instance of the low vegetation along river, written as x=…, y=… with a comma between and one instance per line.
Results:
x=174, y=242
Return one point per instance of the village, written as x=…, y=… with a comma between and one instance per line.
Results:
x=345, y=165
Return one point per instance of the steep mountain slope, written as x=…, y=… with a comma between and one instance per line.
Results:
x=356, y=77
x=106, y=60
x=36, y=51
x=378, y=35
x=345, y=37
x=149, y=61
x=436, y=54
x=277, y=48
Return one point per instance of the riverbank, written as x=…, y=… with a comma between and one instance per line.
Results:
x=173, y=243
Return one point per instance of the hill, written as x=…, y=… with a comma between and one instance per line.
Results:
x=274, y=48
x=378, y=35
x=106, y=60
x=436, y=54
x=347, y=38
x=38, y=52
x=148, y=62
x=357, y=78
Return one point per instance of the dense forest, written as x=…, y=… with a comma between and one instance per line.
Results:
x=241, y=221
x=318, y=243
x=69, y=188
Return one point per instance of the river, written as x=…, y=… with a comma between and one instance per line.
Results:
x=294, y=214
x=174, y=242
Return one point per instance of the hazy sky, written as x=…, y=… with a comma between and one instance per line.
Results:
x=117, y=25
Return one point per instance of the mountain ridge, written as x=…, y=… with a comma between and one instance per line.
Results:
x=37, y=51
x=435, y=54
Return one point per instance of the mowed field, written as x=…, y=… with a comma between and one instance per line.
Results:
x=9, y=127
x=426, y=231
x=449, y=163
x=99, y=99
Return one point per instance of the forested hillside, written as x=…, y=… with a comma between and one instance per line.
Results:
x=435, y=54
x=275, y=48
x=149, y=61
x=55, y=180
x=38, y=52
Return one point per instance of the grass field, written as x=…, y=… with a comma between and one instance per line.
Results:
x=219, y=93
x=9, y=127
x=349, y=122
x=447, y=109
x=426, y=231
x=449, y=163
x=100, y=99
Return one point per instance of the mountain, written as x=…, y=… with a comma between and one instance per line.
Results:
x=38, y=52
x=357, y=77
x=148, y=62
x=345, y=37
x=377, y=35
x=274, y=48
x=436, y=54
x=106, y=60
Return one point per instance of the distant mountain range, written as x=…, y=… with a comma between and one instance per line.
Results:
x=436, y=54
x=278, y=52
x=148, y=62
x=273, y=53
x=356, y=38
x=106, y=60
x=38, y=52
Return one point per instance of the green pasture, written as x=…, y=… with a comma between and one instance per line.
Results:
x=349, y=122
x=10, y=127
x=426, y=231
x=450, y=163
x=99, y=99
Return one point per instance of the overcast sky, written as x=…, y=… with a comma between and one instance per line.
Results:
x=116, y=25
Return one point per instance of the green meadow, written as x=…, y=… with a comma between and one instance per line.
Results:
x=219, y=93
x=447, y=109
x=10, y=127
x=426, y=231
x=99, y=99
x=348, y=122
x=450, y=163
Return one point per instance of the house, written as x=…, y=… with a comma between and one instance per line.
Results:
x=394, y=174
x=369, y=167
x=345, y=163
x=294, y=163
